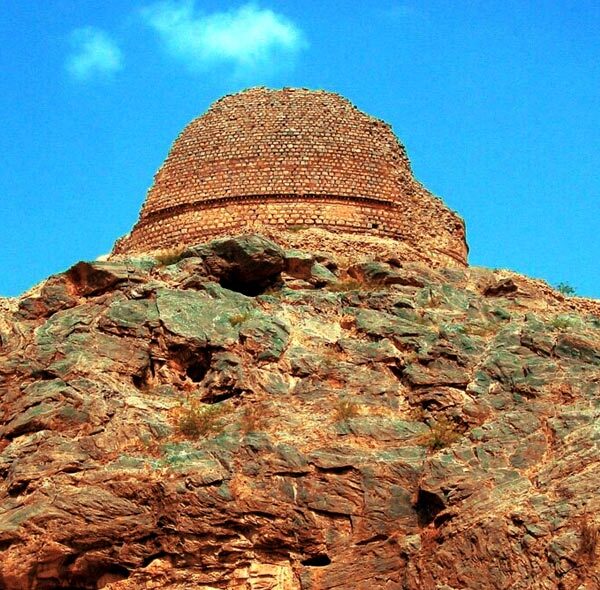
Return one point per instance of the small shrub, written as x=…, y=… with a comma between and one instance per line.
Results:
x=563, y=322
x=409, y=357
x=149, y=443
x=565, y=289
x=253, y=419
x=275, y=291
x=346, y=409
x=589, y=535
x=483, y=329
x=347, y=285
x=565, y=492
x=433, y=299
x=348, y=321
x=443, y=432
x=169, y=256
x=562, y=389
x=197, y=419
x=238, y=318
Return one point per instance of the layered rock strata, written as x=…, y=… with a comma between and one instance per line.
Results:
x=246, y=417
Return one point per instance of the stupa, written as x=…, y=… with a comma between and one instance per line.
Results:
x=289, y=159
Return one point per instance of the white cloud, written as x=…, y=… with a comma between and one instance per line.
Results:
x=249, y=38
x=94, y=54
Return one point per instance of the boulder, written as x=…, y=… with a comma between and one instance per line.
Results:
x=247, y=264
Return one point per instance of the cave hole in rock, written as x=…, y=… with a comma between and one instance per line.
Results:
x=428, y=506
x=190, y=362
x=320, y=560
x=216, y=398
x=44, y=375
x=18, y=488
x=338, y=470
x=245, y=286
x=196, y=371
x=143, y=380
x=94, y=577
x=397, y=371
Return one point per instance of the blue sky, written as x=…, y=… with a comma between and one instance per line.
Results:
x=497, y=102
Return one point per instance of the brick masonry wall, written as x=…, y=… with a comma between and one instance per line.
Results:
x=286, y=158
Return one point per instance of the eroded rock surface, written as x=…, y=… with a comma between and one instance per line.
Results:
x=250, y=417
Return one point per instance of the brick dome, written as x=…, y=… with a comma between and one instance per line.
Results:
x=290, y=157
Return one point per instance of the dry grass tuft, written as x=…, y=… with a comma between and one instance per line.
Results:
x=443, y=432
x=196, y=419
x=253, y=419
x=239, y=318
x=345, y=410
x=346, y=285
x=169, y=256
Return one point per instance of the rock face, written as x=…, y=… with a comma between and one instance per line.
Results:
x=244, y=416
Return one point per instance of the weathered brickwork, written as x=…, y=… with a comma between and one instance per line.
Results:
x=289, y=158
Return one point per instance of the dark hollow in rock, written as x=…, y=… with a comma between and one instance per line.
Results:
x=501, y=288
x=246, y=264
x=320, y=560
x=108, y=575
x=252, y=289
x=190, y=363
x=90, y=577
x=196, y=370
x=428, y=506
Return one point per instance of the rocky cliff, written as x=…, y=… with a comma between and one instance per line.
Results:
x=243, y=416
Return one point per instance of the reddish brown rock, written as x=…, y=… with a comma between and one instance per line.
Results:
x=161, y=430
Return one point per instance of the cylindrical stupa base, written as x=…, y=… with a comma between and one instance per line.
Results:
x=290, y=158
